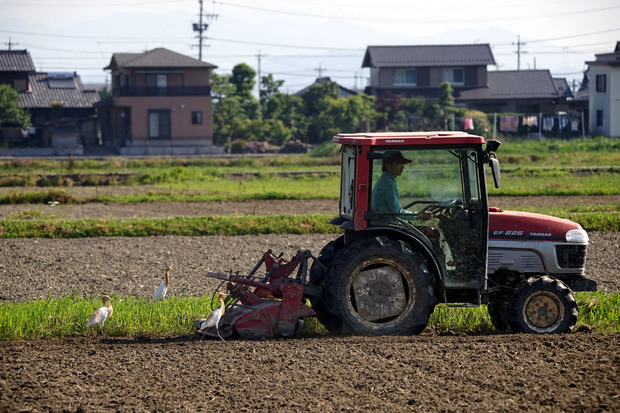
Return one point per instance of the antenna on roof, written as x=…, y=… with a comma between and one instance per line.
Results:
x=320, y=70
x=10, y=43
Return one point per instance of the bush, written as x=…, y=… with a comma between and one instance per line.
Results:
x=238, y=146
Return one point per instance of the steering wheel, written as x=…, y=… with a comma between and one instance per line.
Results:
x=438, y=209
x=409, y=205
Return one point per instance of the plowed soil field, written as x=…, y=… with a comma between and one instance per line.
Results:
x=578, y=372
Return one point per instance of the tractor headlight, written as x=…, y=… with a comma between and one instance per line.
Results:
x=577, y=235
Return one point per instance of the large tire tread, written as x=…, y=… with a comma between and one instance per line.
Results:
x=542, y=290
x=352, y=259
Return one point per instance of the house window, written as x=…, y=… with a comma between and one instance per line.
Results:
x=156, y=84
x=404, y=77
x=599, y=118
x=197, y=117
x=601, y=83
x=159, y=124
x=156, y=80
x=455, y=76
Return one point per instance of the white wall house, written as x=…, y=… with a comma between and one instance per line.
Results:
x=605, y=94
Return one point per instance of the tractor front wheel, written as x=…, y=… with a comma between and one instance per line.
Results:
x=542, y=305
x=378, y=286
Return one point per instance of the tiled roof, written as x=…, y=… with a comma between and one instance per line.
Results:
x=514, y=84
x=16, y=61
x=432, y=55
x=562, y=87
x=155, y=58
x=42, y=95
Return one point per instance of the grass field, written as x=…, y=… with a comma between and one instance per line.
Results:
x=133, y=317
x=532, y=168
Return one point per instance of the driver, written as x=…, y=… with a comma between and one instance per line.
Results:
x=385, y=193
x=385, y=196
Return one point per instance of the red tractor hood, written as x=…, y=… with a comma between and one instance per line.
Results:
x=527, y=226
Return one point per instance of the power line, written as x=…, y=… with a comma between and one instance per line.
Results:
x=69, y=36
x=87, y=4
x=417, y=21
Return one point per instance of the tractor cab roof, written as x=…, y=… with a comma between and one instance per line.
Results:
x=407, y=138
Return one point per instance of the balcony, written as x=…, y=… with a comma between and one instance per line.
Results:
x=137, y=91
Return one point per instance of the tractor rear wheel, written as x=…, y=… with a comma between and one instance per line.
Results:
x=318, y=270
x=542, y=305
x=379, y=286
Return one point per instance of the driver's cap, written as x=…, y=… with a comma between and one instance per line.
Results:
x=395, y=157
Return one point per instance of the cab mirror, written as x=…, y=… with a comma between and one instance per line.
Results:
x=494, y=164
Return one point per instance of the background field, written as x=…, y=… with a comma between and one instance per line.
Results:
x=443, y=369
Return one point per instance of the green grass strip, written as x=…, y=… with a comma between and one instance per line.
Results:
x=66, y=316
x=185, y=226
x=133, y=317
x=41, y=226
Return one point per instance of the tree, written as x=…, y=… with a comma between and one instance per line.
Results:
x=318, y=100
x=269, y=88
x=228, y=114
x=388, y=107
x=104, y=93
x=10, y=112
x=446, y=102
x=314, y=97
x=221, y=87
x=243, y=79
x=289, y=109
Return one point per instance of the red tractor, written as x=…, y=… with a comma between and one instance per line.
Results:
x=388, y=271
x=444, y=244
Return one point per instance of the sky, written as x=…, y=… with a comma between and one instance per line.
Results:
x=298, y=41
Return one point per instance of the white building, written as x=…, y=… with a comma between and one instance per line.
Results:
x=605, y=94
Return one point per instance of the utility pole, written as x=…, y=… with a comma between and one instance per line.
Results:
x=259, y=56
x=519, y=44
x=201, y=27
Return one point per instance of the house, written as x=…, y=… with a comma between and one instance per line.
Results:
x=604, y=96
x=522, y=91
x=161, y=104
x=418, y=71
x=54, y=100
x=343, y=92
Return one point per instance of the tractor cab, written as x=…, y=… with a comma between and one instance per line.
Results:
x=436, y=200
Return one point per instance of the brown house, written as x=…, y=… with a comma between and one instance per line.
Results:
x=160, y=104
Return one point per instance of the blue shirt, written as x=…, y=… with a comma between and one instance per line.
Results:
x=385, y=196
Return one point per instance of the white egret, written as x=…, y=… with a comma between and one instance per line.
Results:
x=214, y=318
x=102, y=313
x=161, y=291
